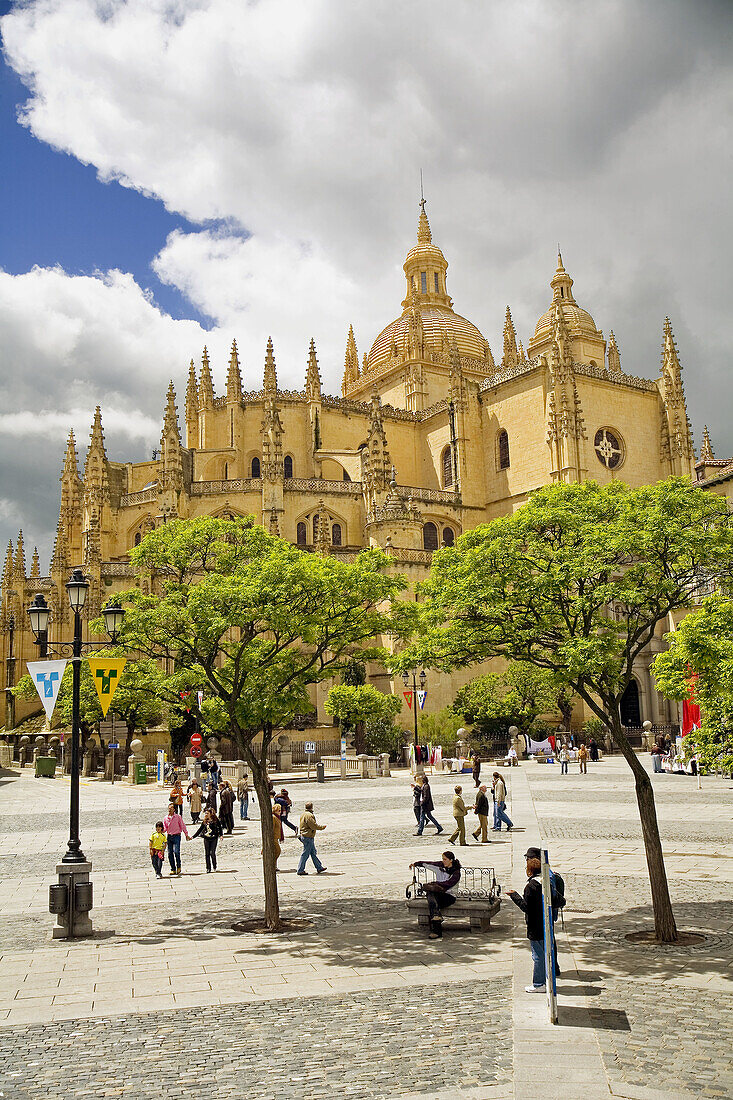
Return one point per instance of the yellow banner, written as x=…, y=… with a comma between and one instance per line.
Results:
x=106, y=673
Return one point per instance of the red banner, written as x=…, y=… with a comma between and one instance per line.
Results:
x=691, y=717
x=408, y=698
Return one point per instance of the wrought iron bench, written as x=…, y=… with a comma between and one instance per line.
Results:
x=478, y=897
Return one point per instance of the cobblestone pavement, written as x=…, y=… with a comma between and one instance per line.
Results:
x=678, y=1046
x=374, y=1044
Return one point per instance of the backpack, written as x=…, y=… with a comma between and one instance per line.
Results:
x=557, y=897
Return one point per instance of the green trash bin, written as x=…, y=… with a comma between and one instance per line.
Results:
x=46, y=767
x=141, y=772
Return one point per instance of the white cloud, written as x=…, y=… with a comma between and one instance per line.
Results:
x=305, y=124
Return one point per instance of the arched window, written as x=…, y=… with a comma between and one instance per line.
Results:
x=226, y=471
x=446, y=461
x=288, y=464
x=335, y=534
x=430, y=536
x=138, y=537
x=503, y=450
x=449, y=536
x=302, y=534
x=256, y=467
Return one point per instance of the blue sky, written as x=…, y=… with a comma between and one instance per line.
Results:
x=55, y=210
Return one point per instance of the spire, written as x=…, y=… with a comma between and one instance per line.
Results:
x=562, y=284
x=424, y=236
x=206, y=386
x=520, y=353
x=35, y=564
x=312, y=374
x=95, y=467
x=351, y=362
x=8, y=568
x=19, y=563
x=170, y=416
x=71, y=465
x=510, y=357
x=270, y=381
x=614, y=359
x=234, y=376
x=706, y=451
x=192, y=393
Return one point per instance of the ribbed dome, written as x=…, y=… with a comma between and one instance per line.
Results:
x=579, y=322
x=441, y=326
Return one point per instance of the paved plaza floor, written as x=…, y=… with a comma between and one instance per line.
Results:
x=168, y=1000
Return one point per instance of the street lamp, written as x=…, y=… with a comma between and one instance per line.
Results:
x=72, y=897
x=423, y=680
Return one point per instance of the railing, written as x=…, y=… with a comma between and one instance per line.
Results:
x=145, y=496
x=475, y=882
x=428, y=496
x=407, y=555
x=365, y=767
x=318, y=485
x=117, y=569
x=234, y=485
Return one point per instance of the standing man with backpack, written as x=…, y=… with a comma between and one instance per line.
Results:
x=557, y=891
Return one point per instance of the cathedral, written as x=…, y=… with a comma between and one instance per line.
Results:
x=431, y=436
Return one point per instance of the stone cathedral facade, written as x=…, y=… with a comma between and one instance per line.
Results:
x=432, y=435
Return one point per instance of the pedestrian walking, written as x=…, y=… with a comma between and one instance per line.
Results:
x=426, y=808
x=500, y=813
x=307, y=836
x=476, y=768
x=215, y=772
x=530, y=902
x=243, y=796
x=211, y=796
x=209, y=830
x=416, y=795
x=656, y=757
x=176, y=796
x=440, y=894
x=174, y=825
x=156, y=845
x=284, y=802
x=194, y=794
x=583, y=758
x=593, y=750
x=563, y=756
x=481, y=809
x=226, y=807
x=459, y=813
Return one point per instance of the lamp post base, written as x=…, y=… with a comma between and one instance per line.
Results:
x=74, y=922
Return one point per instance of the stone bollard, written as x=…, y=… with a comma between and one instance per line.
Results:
x=135, y=758
x=86, y=768
x=284, y=756
x=648, y=738
x=363, y=765
x=385, y=764
x=23, y=750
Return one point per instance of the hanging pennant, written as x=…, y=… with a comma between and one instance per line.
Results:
x=408, y=698
x=106, y=673
x=47, y=677
x=184, y=696
x=421, y=697
x=200, y=696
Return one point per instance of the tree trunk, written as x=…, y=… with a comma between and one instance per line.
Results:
x=360, y=737
x=269, y=871
x=665, y=927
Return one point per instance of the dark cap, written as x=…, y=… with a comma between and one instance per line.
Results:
x=533, y=853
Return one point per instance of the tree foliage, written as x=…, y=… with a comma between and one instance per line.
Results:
x=576, y=582
x=517, y=696
x=700, y=654
x=360, y=704
x=256, y=623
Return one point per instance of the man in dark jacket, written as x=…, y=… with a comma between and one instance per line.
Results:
x=226, y=813
x=531, y=905
x=426, y=808
x=481, y=809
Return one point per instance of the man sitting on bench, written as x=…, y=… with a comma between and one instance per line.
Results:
x=439, y=893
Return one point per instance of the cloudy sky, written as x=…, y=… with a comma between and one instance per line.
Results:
x=181, y=172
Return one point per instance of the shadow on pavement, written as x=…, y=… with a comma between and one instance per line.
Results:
x=602, y=1019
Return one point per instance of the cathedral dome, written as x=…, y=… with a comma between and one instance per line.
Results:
x=427, y=308
x=580, y=324
x=442, y=328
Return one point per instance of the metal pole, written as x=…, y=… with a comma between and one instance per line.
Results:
x=414, y=702
x=549, y=945
x=74, y=853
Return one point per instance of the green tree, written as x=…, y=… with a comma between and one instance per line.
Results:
x=360, y=704
x=439, y=728
x=576, y=582
x=256, y=622
x=517, y=696
x=702, y=648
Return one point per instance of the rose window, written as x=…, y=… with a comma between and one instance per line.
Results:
x=608, y=448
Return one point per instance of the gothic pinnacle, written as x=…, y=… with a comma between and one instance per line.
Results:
x=312, y=374
x=424, y=236
x=707, y=453
x=614, y=357
x=206, y=386
x=234, y=376
x=351, y=361
x=270, y=379
x=8, y=570
x=19, y=564
x=35, y=564
x=510, y=356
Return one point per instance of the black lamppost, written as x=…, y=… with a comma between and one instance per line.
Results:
x=10, y=676
x=423, y=680
x=68, y=899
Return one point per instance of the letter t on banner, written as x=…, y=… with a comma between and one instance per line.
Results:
x=106, y=673
x=47, y=677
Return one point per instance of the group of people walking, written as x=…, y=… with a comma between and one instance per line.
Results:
x=423, y=807
x=215, y=798
x=584, y=754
